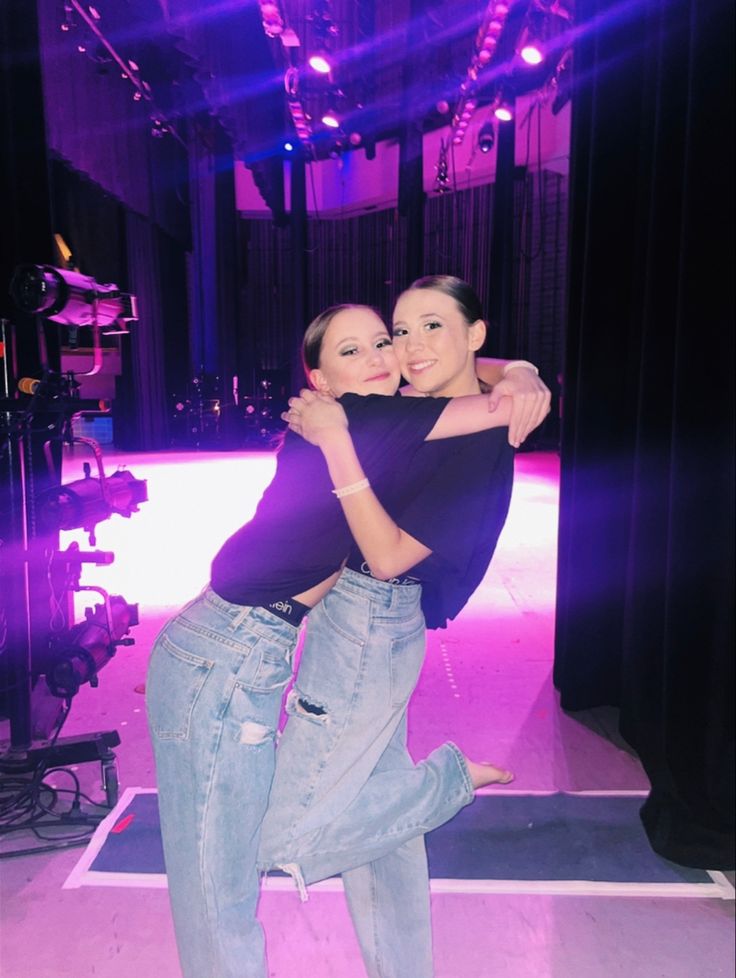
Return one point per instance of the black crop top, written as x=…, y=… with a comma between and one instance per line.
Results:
x=454, y=498
x=298, y=535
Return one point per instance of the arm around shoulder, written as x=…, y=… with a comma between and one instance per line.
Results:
x=468, y=415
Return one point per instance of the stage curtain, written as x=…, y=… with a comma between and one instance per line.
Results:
x=646, y=549
x=147, y=339
x=93, y=122
x=361, y=259
x=216, y=327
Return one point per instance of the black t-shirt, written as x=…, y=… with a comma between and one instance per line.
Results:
x=298, y=535
x=454, y=499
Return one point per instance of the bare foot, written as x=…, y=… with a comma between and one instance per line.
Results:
x=483, y=774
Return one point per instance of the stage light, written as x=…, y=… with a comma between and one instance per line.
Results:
x=320, y=64
x=78, y=655
x=532, y=54
x=71, y=298
x=504, y=112
x=289, y=147
x=68, y=24
x=562, y=84
x=87, y=502
x=486, y=137
x=330, y=120
x=273, y=22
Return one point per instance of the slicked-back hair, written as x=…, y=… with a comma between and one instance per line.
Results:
x=456, y=288
x=315, y=333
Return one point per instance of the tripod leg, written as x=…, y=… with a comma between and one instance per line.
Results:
x=110, y=778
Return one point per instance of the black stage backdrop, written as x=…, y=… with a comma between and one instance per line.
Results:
x=114, y=244
x=363, y=259
x=646, y=565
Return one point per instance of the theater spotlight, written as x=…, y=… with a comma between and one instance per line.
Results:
x=486, y=137
x=504, y=112
x=330, y=119
x=531, y=53
x=320, y=64
x=78, y=655
x=71, y=298
x=87, y=502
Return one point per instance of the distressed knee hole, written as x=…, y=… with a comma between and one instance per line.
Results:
x=253, y=733
x=301, y=705
x=304, y=706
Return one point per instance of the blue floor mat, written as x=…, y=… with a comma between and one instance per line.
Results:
x=551, y=837
x=525, y=842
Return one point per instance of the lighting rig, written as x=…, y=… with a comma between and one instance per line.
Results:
x=319, y=109
x=519, y=47
x=76, y=13
x=45, y=656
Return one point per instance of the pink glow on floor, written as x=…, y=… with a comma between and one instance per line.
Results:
x=195, y=501
x=486, y=685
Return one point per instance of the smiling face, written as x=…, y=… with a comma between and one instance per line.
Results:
x=355, y=355
x=435, y=344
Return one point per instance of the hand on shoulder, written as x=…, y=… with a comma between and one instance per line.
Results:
x=315, y=416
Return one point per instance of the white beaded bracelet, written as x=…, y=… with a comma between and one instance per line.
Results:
x=349, y=490
x=519, y=363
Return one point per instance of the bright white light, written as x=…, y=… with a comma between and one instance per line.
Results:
x=531, y=54
x=195, y=501
x=289, y=147
x=503, y=113
x=320, y=64
x=330, y=120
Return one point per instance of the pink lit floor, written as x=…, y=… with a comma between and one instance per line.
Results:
x=486, y=685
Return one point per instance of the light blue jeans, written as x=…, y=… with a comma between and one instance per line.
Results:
x=214, y=689
x=346, y=795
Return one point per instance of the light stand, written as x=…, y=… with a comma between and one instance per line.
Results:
x=44, y=655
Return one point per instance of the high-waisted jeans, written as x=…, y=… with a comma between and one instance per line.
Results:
x=346, y=796
x=214, y=691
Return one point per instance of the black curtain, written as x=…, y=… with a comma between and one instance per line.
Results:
x=215, y=325
x=363, y=259
x=114, y=244
x=646, y=558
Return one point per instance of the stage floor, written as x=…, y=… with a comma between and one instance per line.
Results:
x=486, y=685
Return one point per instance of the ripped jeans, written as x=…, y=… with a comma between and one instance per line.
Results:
x=213, y=692
x=346, y=795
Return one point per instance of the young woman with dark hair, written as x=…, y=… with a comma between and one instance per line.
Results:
x=346, y=796
x=218, y=668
